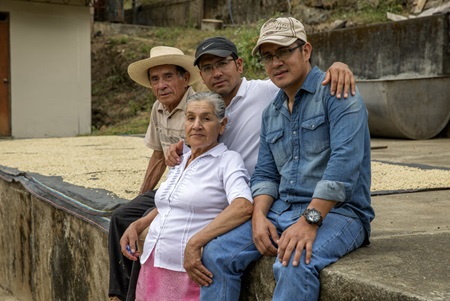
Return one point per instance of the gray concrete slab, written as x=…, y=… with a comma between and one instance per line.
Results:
x=433, y=152
x=409, y=257
x=411, y=214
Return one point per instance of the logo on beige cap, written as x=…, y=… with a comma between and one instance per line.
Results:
x=275, y=26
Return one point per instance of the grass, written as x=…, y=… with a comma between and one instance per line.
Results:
x=132, y=126
x=369, y=14
x=112, y=88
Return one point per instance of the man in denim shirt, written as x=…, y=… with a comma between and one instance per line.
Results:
x=311, y=186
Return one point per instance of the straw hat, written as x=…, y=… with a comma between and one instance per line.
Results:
x=162, y=55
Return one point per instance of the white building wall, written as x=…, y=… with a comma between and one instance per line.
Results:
x=50, y=69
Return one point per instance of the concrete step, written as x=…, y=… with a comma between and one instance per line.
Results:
x=408, y=259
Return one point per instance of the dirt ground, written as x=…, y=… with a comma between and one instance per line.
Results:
x=117, y=163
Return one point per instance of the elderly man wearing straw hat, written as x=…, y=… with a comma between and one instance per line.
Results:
x=169, y=73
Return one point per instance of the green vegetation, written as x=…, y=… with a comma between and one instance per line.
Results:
x=117, y=100
x=132, y=126
x=121, y=106
x=367, y=13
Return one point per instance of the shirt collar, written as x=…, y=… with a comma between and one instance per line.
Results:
x=241, y=91
x=309, y=85
x=216, y=151
x=181, y=106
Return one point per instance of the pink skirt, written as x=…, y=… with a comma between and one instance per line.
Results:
x=159, y=284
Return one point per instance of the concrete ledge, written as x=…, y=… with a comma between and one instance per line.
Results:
x=51, y=254
x=406, y=268
x=407, y=260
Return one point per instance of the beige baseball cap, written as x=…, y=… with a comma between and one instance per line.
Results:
x=280, y=31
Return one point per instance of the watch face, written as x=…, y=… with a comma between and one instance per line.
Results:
x=313, y=216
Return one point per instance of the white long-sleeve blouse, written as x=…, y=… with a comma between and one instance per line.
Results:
x=191, y=198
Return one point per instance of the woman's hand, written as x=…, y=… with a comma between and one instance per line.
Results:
x=129, y=239
x=194, y=267
x=128, y=243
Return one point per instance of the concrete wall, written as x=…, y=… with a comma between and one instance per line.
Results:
x=241, y=12
x=402, y=70
x=191, y=12
x=47, y=253
x=168, y=13
x=50, y=254
x=50, y=69
x=413, y=48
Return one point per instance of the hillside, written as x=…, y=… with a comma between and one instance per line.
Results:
x=121, y=106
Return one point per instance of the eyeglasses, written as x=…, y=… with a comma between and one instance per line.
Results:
x=281, y=54
x=220, y=65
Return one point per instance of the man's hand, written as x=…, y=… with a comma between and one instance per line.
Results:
x=194, y=267
x=173, y=154
x=129, y=239
x=341, y=77
x=299, y=236
x=264, y=232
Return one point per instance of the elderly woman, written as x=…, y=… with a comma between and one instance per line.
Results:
x=205, y=196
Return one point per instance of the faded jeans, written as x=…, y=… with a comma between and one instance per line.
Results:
x=228, y=256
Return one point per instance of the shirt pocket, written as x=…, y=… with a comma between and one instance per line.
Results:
x=278, y=146
x=315, y=135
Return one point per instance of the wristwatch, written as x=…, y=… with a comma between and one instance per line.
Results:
x=313, y=217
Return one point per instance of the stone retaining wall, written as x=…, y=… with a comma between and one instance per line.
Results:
x=47, y=253
x=50, y=254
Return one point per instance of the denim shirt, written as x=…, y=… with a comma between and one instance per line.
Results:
x=321, y=150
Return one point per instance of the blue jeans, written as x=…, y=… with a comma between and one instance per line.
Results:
x=228, y=256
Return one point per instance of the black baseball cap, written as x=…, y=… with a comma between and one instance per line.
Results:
x=219, y=46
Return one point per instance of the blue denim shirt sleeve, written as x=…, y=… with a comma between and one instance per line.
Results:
x=348, y=122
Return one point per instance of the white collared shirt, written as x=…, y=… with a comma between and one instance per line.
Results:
x=244, y=115
x=190, y=199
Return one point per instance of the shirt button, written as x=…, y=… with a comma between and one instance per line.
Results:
x=296, y=157
x=292, y=182
x=294, y=133
x=312, y=126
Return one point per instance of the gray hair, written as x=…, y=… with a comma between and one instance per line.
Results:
x=213, y=99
